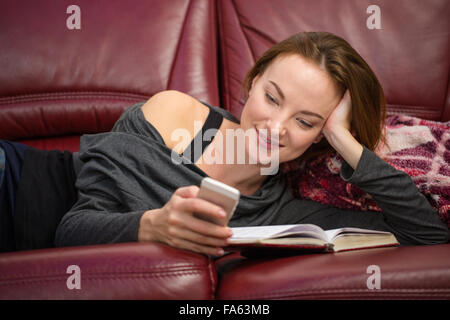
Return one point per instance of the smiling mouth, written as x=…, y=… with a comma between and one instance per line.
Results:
x=268, y=143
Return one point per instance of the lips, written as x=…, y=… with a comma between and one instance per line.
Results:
x=267, y=142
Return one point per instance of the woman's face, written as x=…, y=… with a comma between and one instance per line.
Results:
x=293, y=97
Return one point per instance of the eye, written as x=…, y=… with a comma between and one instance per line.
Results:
x=304, y=123
x=271, y=99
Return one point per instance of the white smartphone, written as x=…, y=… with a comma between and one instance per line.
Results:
x=220, y=194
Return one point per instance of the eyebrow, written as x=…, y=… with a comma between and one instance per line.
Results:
x=310, y=113
x=278, y=89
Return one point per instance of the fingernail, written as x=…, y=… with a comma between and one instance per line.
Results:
x=222, y=213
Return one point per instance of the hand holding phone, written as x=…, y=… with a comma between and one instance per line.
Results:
x=220, y=194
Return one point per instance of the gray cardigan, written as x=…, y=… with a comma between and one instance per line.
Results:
x=125, y=172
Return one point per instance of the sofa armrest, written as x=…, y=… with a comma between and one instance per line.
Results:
x=115, y=271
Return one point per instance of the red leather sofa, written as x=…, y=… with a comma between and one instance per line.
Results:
x=58, y=82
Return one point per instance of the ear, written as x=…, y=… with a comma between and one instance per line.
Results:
x=318, y=138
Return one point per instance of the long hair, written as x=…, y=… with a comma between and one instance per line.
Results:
x=349, y=71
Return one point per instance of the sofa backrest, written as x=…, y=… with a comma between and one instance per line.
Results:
x=58, y=82
x=410, y=53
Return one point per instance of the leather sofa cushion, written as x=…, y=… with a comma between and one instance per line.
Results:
x=118, y=271
x=421, y=272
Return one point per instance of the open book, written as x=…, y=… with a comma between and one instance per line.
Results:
x=309, y=237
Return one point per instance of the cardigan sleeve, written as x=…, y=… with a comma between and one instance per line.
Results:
x=405, y=211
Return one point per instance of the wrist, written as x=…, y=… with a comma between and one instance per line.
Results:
x=145, y=232
x=335, y=135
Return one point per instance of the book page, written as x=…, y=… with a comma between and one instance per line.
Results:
x=276, y=231
x=335, y=233
x=357, y=241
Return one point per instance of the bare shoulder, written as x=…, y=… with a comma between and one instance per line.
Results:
x=166, y=102
x=170, y=110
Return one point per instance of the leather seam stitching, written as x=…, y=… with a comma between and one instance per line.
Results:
x=150, y=269
x=101, y=277
x=334, y=291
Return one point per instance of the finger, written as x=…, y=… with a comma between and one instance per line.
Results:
x=208, y=228
x=196, y=205
x=187, y=192
x=188, y=245
x=197, y=238
x=181, y=219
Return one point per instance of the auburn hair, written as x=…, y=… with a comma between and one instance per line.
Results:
x=349, y=71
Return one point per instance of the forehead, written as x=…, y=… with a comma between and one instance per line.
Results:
x=303, y=82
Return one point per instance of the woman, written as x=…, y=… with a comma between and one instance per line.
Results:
x=306, y=96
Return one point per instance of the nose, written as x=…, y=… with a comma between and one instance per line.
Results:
x=277, y=124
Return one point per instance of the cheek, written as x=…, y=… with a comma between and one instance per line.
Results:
x=303, y=138
x=300, y=142
x=253, y=111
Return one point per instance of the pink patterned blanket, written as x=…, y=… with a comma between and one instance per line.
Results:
x=421, y=148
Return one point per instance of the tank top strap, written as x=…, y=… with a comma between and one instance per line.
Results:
x=213, y=121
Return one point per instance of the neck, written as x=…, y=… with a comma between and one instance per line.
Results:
x=246, y=178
